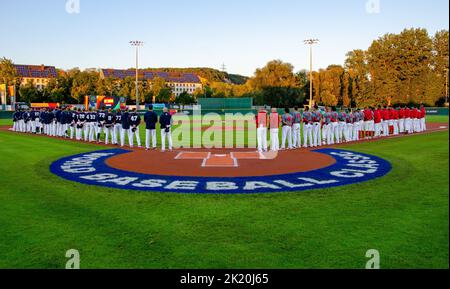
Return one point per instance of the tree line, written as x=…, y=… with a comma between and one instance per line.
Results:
x=405, y=68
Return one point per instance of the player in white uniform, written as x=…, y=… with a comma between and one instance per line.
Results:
x=286, y=121
x=274, y=121
x=316, y=127
x=349, y=120
x=262, y=119
x=296, y=129
x=327, y=127
x=307, y=128
x=117, y=130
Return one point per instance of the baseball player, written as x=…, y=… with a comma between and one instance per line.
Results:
x=378, y=120
x=385, y=117
x=73, y=122
x=81, y=124
x=316, y=126
x=334, y=127
x=66, y=119
x=342, y=125
x=307, y=127
x=166, y=123
x=51, y=122
x=109, y=125
x=126, y=129
x=15, y=117
x=391, y=120
x=117, y=129
x=27, y=121
x=44, y=121
x=274, y=122
x=296, y=129
x=150, y=119
x=100, y=124
x=326, y=130
x=415, y=117
x=38, y=122
x=135, y=121
x=286, y=121
x=401, y=121
x=262, y=120
x=423, y=118
x=92, y=119
x=355, y=120
x=408, y=120
x=21, y=121
x=87, y=126
x=58, y=131
x=369, y=125
x=33, y=121
x=349, y=129
x=396, y=118
x=361, y=124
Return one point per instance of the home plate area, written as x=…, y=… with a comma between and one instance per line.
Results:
x=220, y=163
x=224, y=160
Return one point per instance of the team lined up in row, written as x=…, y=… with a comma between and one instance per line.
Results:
x=328, y=127
x=89, y=125
x=334, y=126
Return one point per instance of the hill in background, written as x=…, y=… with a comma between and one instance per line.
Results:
x=208, y=74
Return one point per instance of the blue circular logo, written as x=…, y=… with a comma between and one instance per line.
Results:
x=349, y=168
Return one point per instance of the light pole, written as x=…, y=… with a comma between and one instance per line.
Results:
x=446, y=86
x=137, y=44
x=311, y=42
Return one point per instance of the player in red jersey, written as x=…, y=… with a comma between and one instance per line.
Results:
x=378, y=122
x=401, y=120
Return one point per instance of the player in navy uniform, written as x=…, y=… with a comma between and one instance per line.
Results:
x=125, y=129
x=109, y=125
x=15, y=119
x=58, y=122
x=92, y=121
x=32, y=121
x=81, y=124
x=65, y=121
x=73, y=123
x=135, y=121
x=27, y=120
x=101, y=123
x=37, y=121
x=165, y=121
x=150, y=118
x=117, y=129
x=43, y=119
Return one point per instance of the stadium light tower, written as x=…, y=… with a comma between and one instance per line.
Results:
x=311, y=42
x=446, y=85
x=137, y=44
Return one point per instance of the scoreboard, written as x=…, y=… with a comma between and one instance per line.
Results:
x=105, y=102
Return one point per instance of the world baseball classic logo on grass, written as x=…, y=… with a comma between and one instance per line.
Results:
x=226, y=175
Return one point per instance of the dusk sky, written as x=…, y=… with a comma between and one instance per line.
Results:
x=243, y=34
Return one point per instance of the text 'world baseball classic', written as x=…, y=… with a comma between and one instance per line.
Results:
x=350, y=168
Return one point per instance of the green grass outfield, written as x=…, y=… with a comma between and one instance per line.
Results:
x=404, y=215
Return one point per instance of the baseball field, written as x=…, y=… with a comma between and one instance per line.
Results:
x=403, y=215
